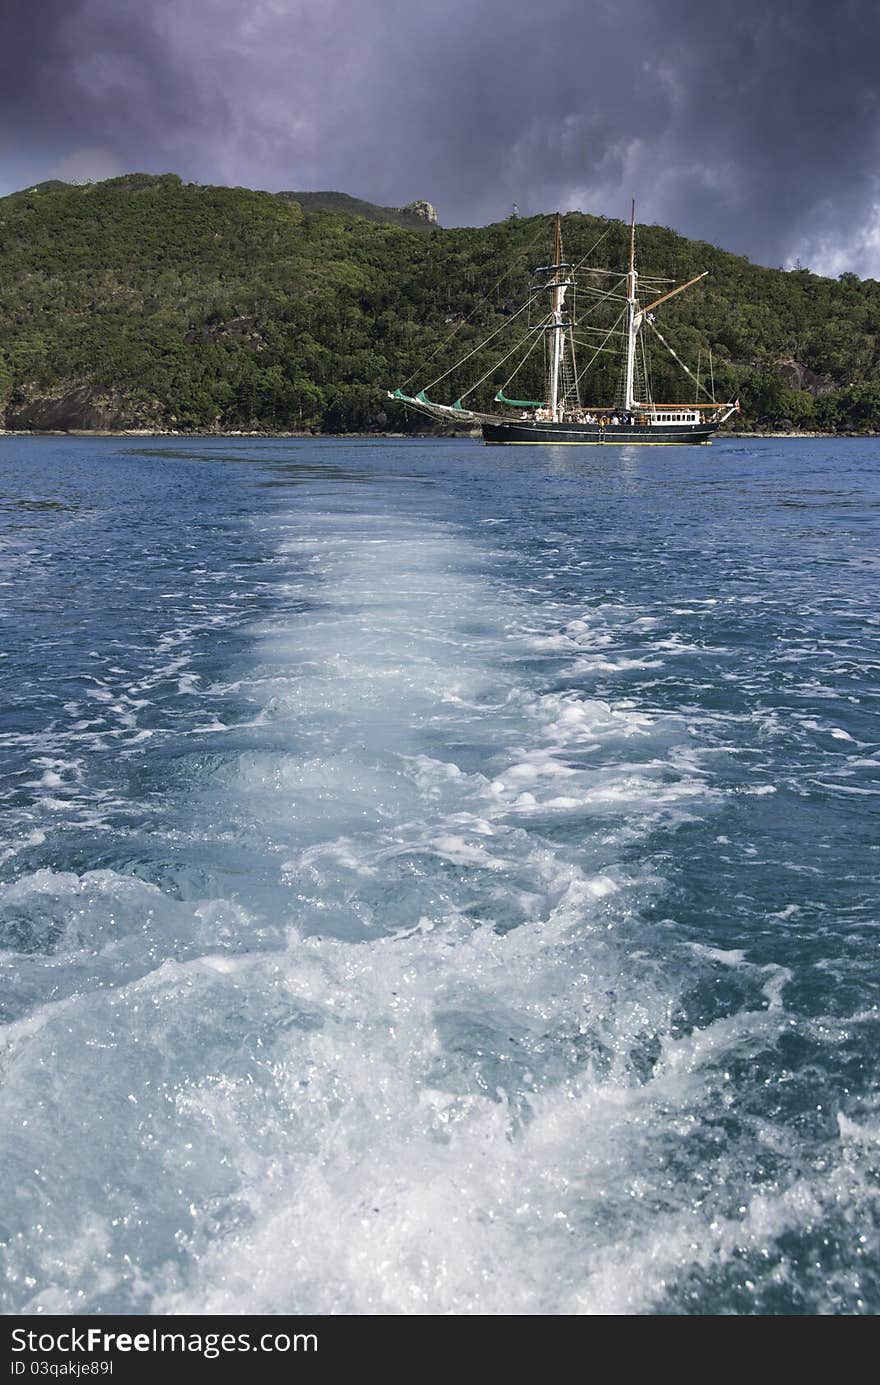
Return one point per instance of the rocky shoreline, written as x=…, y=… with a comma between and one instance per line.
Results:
x=264, y=433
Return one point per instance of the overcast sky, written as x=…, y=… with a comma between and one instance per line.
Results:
x=752, y=124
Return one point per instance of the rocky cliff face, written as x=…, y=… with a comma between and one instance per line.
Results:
x=801, y=377
x=421, y=209
x=418, y=215
x=80, y=408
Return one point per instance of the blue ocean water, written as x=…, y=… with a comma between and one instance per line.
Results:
x=439, y=879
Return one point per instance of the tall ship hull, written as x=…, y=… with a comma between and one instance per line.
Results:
x=550, y=341
x=660, y=435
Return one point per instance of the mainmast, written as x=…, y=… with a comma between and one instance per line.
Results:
x=557, y=327
x=633, y=316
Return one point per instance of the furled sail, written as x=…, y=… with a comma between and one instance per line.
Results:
x=501, y=398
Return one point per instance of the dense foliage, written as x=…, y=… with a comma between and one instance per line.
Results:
x=144, y=301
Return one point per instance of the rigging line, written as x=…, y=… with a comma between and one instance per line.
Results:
x=595, y=246
x=573, y=376
x=595, y=291
x=538, y=338
x=646, y=375
x=675, y=355
x=517, y=369
x=620, y=297
x=527, y=249
x=485, y=342
x=597, y=350
x=505, y=274
x=588, y=346
x=476, y=385
x=516, y=347
x=600, y=331
x=590, y=251
x=601, y=299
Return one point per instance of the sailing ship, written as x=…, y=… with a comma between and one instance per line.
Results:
x=634, y=417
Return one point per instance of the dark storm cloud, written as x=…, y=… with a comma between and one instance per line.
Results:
x=93, y=79
x=754, y=125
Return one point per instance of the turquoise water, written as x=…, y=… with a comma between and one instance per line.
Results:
x=439, y=879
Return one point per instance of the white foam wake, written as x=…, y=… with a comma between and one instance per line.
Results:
x=458, y=1084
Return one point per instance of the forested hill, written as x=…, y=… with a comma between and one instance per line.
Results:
x=147, y=302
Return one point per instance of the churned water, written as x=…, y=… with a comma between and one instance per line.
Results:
x=439, y=879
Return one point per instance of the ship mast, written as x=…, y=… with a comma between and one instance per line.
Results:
x=557, y=327
x=633, y=316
